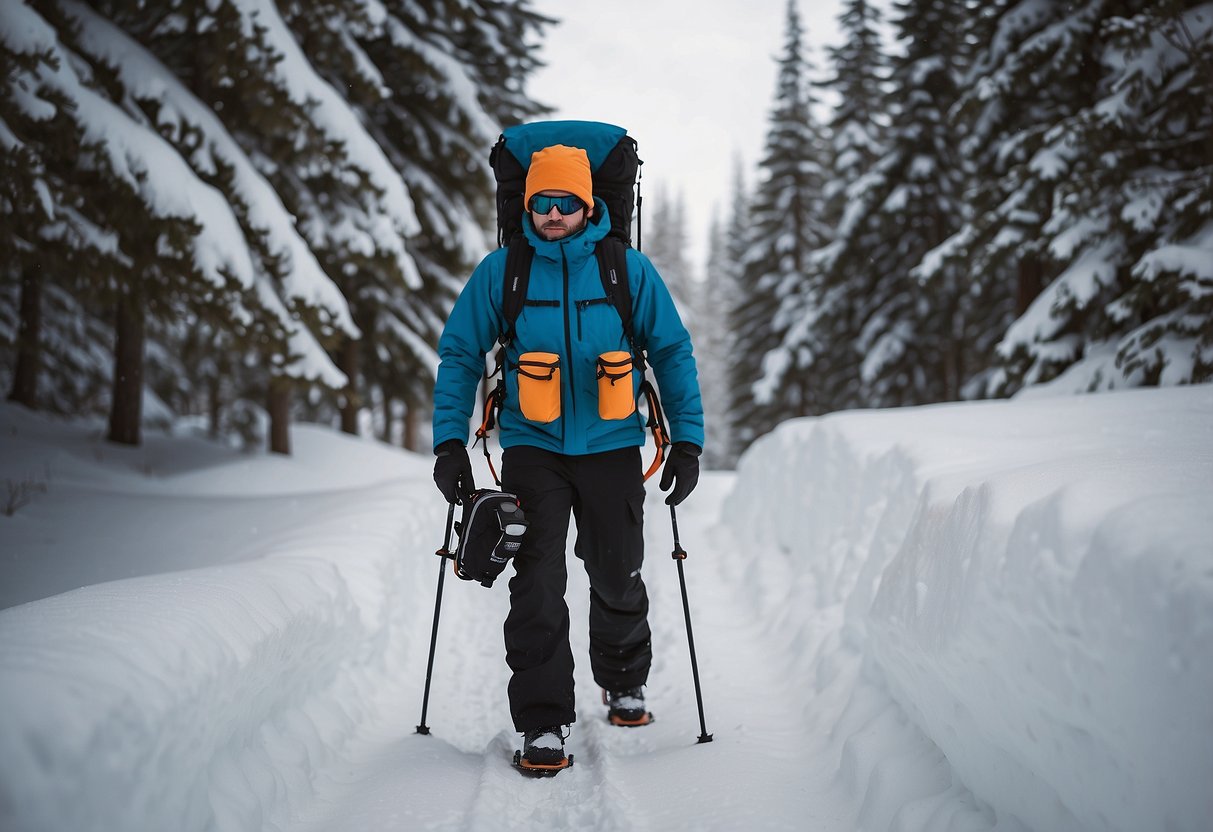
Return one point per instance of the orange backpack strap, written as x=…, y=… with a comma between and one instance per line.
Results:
x=492, y=407
x=656, y=424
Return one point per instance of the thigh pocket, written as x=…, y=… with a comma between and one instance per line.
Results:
x=636, y=509
x=539, y=386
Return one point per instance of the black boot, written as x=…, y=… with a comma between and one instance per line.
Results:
x=544, y=748
x=626, y=707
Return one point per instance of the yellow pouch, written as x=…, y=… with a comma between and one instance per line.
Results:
x=616, y=396
x=539, y=386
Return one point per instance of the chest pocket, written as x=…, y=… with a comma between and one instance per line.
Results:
x=540, y=326
x=594, y=317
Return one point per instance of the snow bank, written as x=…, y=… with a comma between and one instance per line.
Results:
x=961, y=618
x=1030, y=582
x=207, y=698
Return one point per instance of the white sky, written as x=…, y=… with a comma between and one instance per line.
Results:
x=692, y=83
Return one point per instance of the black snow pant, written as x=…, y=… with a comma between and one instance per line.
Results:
x=605, y=494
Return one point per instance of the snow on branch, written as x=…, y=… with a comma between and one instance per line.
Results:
x=1192, y=258
x=457, y=82
x=141, y=158
x=334, y=117
x=144, y=76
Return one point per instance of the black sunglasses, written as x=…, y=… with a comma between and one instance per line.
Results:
x=566, y=205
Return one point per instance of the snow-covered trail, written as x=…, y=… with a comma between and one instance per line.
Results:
x=763, y=765
x=989, y=616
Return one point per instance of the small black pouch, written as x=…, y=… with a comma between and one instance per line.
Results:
x=490, y=533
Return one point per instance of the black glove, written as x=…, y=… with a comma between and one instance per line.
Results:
x=453, y=471
x=683, y=467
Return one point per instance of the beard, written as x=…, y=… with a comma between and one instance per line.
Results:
x=559, y=229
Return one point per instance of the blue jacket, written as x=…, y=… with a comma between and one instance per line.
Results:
x=566, y=313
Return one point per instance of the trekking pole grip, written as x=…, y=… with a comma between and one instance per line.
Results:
x=444, y=552
x=679, y=553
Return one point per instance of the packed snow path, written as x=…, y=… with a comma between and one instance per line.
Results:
x=989, y=616
x=763, y=766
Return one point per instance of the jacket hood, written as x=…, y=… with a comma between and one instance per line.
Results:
x=579, y=245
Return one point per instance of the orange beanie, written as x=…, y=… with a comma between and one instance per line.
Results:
x=560, y=168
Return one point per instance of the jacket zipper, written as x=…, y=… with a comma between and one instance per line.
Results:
x=568, y=343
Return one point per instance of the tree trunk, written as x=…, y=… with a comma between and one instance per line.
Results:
x=29, y=338
x=126, y=406
x=387, y=418
x=956, y=355
x=412, y=427
x=280, y=416
x=347, y=362
x=214, y=406
x=1030, y=283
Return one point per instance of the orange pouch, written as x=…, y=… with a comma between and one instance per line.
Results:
x=539, y=386
x=616, y=396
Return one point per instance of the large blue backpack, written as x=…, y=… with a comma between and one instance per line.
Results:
x=614, y=168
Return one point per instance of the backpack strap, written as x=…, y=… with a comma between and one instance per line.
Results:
x=517, y=276
x=656, y=424
x=492, y=407
x=613, y=271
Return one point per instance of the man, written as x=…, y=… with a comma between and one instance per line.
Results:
x=560, y=455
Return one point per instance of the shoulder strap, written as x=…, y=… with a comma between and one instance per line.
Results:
x=613, y=269
x=516, y=277
x=612, y=257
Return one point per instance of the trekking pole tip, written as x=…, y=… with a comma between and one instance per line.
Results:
x=704, y=738
x=425, y=731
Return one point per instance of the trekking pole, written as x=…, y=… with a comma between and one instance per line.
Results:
x=679, y=554
x=444, y=553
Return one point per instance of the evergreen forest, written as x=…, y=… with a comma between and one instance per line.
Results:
x=248, y=212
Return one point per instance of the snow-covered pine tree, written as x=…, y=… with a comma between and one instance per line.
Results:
x=133, y=246
x=727, y=274
x=908, y=333
x=786, y=223
x=1131, y=234
x=1030, y=70
x=824, y=333
x=56, y=353
x=379, y=64
x=856, y=128
x=58, y=356
x=30, y=197
x=349, y=205
x=60, y=352
x=289, y=304
x=666, y=245
x=497, y=40
x=713, y=340
x=293, y=140
x=424, y=96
